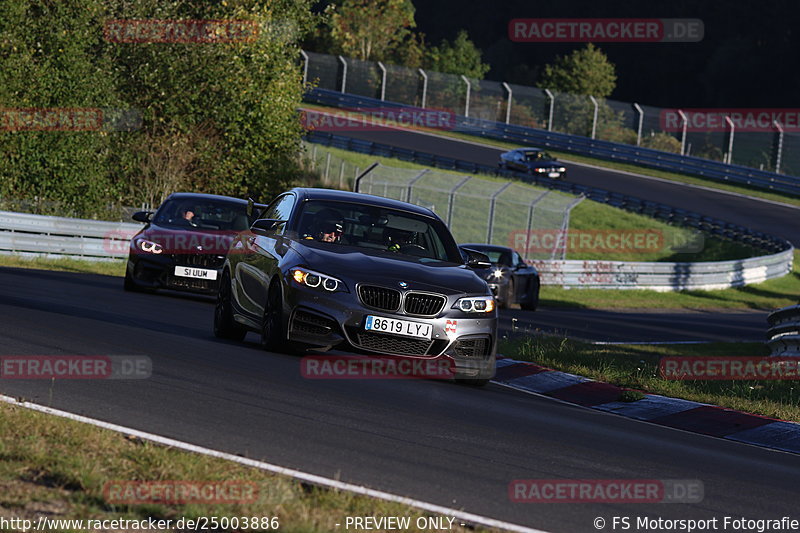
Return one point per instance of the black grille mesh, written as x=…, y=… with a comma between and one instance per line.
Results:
x=312, y=324
x=393, y=345
x=199, y=260
x=424, y=304
x=379, y=297
x=478, y=347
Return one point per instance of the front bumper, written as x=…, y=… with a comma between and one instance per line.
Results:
x=152, y=271
x=322, y=320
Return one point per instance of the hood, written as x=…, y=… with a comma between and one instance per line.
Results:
x=189, y=241
x=542, y=164
x=352, y=266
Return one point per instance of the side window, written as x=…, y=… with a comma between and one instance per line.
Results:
x=517, y=260
x=280, y=209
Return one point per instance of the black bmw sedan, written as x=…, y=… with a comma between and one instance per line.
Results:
x=533, y=161
x=183, y=244
x=511, y=279
x=325, y=268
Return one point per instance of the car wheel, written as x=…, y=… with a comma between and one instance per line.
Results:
x=272, y=334
x=473, y=382
x=534, y=301
x=225, y=327
x=130, y=285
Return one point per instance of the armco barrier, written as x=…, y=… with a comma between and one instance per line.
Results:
x=611, y=274
x=26, y=234
x=606, y=150
x=784, y=331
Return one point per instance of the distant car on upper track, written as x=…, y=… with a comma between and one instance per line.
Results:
x=533, y=161
x=510, y=278
x=324, y=269
x=183, y=244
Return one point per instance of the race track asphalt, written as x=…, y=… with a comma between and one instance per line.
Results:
x=435, y=441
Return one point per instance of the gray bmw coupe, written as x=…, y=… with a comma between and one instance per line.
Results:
x=332, y=269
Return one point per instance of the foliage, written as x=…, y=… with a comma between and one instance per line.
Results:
x=662, y=141
x=460, y=57
x=371, y=29
x=587, y=71
x=218, y=117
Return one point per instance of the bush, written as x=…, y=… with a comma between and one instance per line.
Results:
x=662, y=141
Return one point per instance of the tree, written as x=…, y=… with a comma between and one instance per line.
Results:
x=587, y=71
x=459, y=57
x=371, y=30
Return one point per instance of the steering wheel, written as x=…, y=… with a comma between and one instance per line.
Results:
x=413, y=249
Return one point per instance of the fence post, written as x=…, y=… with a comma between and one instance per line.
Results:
x=640, y=111
x=531, y=208
x=565, y=227
x=550, y=114
x=469, y=89
x=684, y=126
x=594, y=119
x=305, y=66
x=424, y=86
x=450, y=198
x=413, y=181
x=344, y=73
x=730, y=139
x=492, y=201
x=383, y=80
x=327, y=167
x=779, y=148
x=357, y=182
x=341, y=174
x=507, y=87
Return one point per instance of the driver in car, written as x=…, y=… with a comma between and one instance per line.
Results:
x=328, y=227
x=396, y=239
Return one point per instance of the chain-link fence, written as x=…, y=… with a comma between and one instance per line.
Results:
x=480, y=210
x=329, y=169
x=640, y=125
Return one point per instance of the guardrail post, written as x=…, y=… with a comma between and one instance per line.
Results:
x=424, y=87
x=383, y=80
x=730, y=139
x=492, y=201
x=344, y=73
x=413, y=181
x=305, y=66
x=640, y=111
x=779, y=147
x=450, y=198
x=684, y=127
x=594, y=119
x=507, y=87
x=469, y=90
x=552, y=104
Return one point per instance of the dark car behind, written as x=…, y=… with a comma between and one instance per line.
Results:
x=510, y=278
x=533, y=161
x=183, y=244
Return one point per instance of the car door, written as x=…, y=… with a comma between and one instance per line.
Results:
x=521, y=273
x=261, y=259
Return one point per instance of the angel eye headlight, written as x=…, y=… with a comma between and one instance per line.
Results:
x=497, y=273
x=477, y=304
x=149, y=247
x=315, y=280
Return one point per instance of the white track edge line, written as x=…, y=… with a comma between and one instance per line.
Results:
x=297, y=474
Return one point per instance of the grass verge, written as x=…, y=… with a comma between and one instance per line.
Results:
x=59, y=468
x=637, y=367
x=106, y=268
x=613, y=165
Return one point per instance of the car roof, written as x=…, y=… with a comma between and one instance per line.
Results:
x=527, y=150
x=202, y=196
x=489, y=247
x=307, y=193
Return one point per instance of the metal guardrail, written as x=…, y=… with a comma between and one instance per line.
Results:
x=784, y=331
x=606, y=150
x=614, y=274
x=26, y=234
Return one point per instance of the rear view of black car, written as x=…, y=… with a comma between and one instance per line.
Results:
x=533, y=161
x=510, y=278
x=183, y=244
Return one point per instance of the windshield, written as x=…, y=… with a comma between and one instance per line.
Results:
x=496, y=257
x=538, y=156
x=385, y=231
x=198, y=214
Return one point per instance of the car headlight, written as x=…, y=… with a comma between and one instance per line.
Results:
x=475, y=304
x=497, y=273
x=149, y=247
x=562, y=169
x=315, y=280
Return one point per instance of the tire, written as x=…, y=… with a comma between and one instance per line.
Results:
x=534, y=303
x=130, y=285
x=225, y=327
x=273, y=337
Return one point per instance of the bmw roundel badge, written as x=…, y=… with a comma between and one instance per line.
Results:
x=403, y=285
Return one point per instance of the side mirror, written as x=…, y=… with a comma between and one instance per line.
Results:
x=142, y=216
x=265, y=226
x=476, y=259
